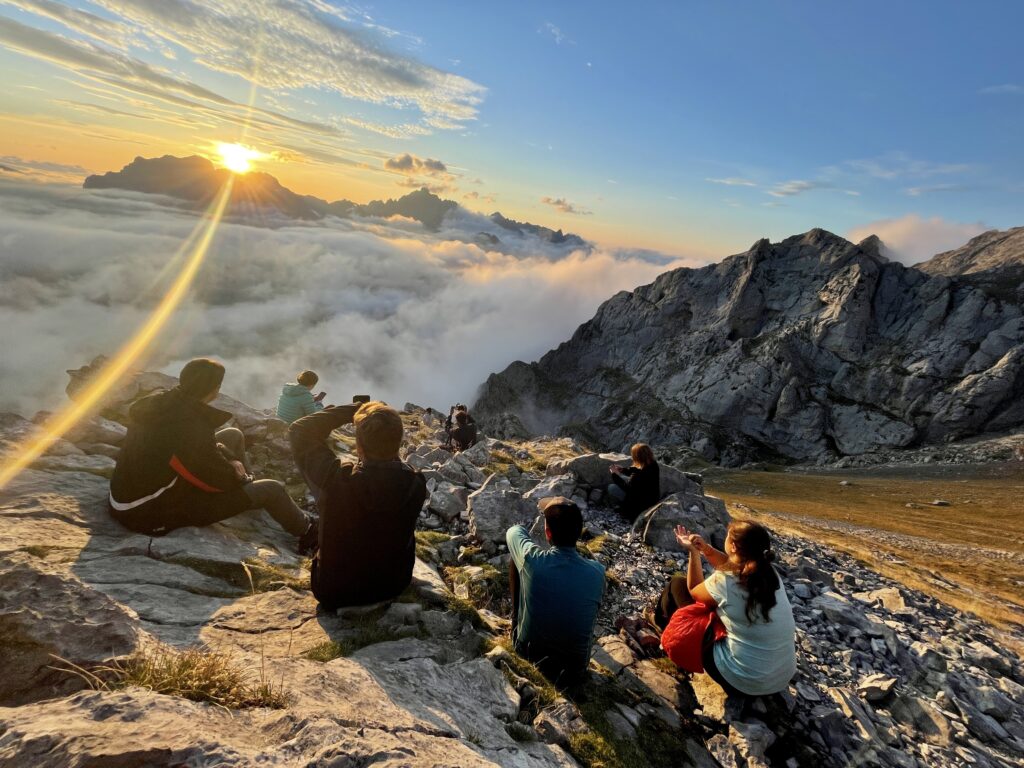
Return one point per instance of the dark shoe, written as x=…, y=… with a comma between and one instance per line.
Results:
x=309, y=542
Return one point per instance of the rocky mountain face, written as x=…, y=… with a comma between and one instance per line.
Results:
x=991, y=250
x=811, y=349
x=886, y=677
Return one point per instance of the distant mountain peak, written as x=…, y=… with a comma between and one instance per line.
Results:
x=197, y=180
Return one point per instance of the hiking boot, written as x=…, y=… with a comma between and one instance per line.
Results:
x=650, y=617
x=310, y=540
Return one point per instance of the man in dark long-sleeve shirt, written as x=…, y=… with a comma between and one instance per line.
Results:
x=368, y=509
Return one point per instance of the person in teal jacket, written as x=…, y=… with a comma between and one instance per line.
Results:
x=297, y=398
x=556, y=594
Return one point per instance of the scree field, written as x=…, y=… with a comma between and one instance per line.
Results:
x=969, y=554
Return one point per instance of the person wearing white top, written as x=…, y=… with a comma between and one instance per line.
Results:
x=757, y=656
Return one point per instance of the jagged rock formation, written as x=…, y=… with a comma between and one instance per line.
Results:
x=887, y=675
x=810, y=349
x=557, y=237
x=990, y=250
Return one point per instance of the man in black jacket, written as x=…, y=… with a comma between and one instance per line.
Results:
x=176, y=469
x=368, y=509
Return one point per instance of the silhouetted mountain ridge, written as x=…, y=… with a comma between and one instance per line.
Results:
x=197, y=180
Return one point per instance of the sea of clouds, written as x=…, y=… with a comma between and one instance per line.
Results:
x=377, y=307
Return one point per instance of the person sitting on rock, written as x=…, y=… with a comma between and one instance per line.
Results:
x=738, y=623
x=368, y=509
x=297, y=398
x=177, y=469
x=637, y=488
x=556, y=594
x=464, y=435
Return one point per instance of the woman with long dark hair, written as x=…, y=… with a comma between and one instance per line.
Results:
x=638, y=487
x=737, y=624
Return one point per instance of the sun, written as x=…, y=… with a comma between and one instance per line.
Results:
x=237, y=158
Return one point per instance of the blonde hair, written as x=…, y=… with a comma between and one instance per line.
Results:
x=642, y=454
x=378, y=431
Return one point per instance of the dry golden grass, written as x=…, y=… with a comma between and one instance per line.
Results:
x=969, y=554
x=197, y=674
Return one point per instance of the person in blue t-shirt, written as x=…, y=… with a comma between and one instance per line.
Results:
x=556, y=594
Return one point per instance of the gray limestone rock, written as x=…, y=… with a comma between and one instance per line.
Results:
x=701, y=514
x=807, y=348
x=495, y=507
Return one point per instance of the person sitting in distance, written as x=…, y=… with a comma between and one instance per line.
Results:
x=176, y=468
x=368, y=509
x=636, y=488
x=297, y=398
x=464, y=435
x=757, y=655
x=556, y=594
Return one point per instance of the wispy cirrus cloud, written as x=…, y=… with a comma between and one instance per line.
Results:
x=1001, y=90
x=282, y=47
x=900, y=165
x=107, y=31
x=733, y=181
x=794, y=187
x=564, y=206
x=556, y=34
x=930, y=188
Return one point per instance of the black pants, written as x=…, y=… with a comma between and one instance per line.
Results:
x=185, y=505
x=676, y=595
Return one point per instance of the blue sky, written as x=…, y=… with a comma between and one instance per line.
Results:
x=693, y=128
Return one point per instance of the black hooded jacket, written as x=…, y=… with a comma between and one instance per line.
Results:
x=368, y=514
x=642, y=486
x=170, y=454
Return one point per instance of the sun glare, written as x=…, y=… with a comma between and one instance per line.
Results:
x=237, y=158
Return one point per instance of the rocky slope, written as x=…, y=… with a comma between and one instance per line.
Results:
x=810, y=349
x=887, y=676
x=991, y=250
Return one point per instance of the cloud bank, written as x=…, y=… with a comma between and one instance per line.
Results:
x=912, y=239
x=378, y=306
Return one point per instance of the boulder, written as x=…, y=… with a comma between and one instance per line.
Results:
x=558, y=485
x=478, y=454
x=701, y=514
x=928, y=722
x=98, y=430
x=590, y=468
x=448, y=501
x=677, y=481
x=15, y=431
x=876, y=687
x=46, y=612
x=495, y=507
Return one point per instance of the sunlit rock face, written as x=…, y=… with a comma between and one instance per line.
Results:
x=814, y=348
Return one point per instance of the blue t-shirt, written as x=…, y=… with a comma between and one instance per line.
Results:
x=560, y=593
x=756, y=657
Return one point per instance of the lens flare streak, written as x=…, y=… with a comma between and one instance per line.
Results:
x=93, y=393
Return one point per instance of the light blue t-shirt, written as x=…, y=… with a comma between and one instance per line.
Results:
x=756, y=658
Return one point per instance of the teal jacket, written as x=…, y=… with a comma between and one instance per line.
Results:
x=295, y=402
x=560, y=594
